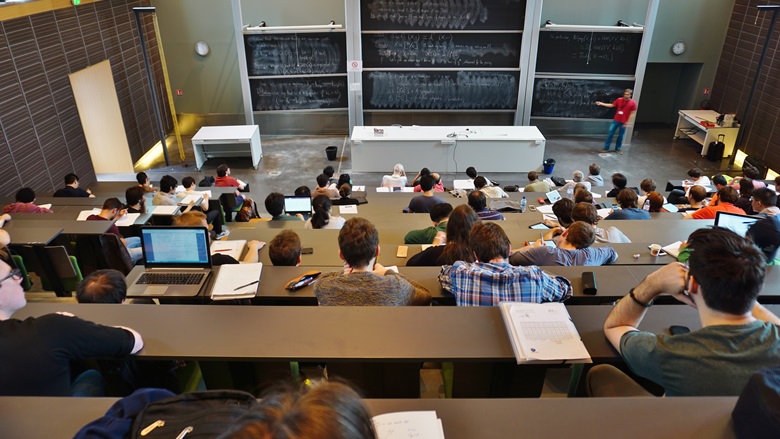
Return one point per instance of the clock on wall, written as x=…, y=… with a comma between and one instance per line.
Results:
x=202, y=48
x=679, y=47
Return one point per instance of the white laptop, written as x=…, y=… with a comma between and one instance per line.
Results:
x=177, y=262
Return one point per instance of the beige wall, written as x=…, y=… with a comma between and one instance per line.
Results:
x=211, y=84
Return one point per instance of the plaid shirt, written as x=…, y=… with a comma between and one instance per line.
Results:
x=487, y=284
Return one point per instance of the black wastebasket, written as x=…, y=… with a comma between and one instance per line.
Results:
x=548, y=165
x=331, y=151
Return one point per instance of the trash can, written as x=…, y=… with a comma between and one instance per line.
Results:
x=548, y=165
x=331, y=151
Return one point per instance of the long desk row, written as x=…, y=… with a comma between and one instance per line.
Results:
x=325, y=247
x=613, y=283
x=605, y=418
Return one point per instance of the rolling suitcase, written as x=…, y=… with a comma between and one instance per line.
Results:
x=716, y=149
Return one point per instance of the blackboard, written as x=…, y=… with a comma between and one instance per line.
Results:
x=296, y=53
x=444, y=49
x=299, y=93
x=588, y=52
x=442, y=14
x=432, y=90
x=576, y=98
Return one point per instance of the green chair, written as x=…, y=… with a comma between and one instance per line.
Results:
x=25, y=277
x=66, y=267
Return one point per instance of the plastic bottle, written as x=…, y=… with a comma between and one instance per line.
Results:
x=523, y=203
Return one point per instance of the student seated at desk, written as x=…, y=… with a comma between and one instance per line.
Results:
x=619, y=182
x=646, y=186
x=425, y=202
x=225, y=180
x=696, y=197
x=285, y=249
x=25, y=203
x=36, y=352
x=478, y=201
x=195, y=218
x=274, y=205
x=72, y=189
x=536, y=185
x=765, y=234
x=491, y=279
x=573, y=248
x=738, y=335
x=365, y=282
x=727, y=196
x=113, y=210
x=587, y=212
x=323, y=217
x=135, y=199
x=439, y=214
x=471, y=173
x=345, y=190
x=124, y=376
x=213, y=216
x=594, y=175
x=627, y=198
x=764, y=202
x=480, y=184
x=456, y=248
x=143, y=182
x=438, y=186
x=397, y=179
x=323, y=188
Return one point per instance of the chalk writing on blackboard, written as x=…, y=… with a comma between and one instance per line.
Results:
x=471, y=50
x=575, y=98
x=295, y=54
x=299, y=93
x=442, y=14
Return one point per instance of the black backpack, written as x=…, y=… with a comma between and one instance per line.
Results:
x=204, y=414
x=207, y=181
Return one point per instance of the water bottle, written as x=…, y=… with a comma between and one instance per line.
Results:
x=523, y=203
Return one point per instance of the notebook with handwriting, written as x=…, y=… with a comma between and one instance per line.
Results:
x=237, y=281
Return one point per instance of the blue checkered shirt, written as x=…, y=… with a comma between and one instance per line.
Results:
x=487, y=284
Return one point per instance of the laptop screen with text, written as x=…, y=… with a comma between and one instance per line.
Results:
x=293, y=205
x=734, y=222
x=176, y=247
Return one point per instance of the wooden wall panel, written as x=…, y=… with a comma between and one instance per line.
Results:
x=734, y=79
x=41, y=138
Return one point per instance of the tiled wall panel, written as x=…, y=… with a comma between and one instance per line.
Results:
x=41, y=138
x=735, y=76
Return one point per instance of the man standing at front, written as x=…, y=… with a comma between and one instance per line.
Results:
x=738, y=335
x=624, y=107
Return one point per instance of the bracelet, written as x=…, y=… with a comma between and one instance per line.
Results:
x=643, y=305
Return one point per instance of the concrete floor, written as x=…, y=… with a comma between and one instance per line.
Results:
x=290, y=162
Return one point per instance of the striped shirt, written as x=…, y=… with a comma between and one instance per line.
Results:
x=487, y=284
x=487, y=214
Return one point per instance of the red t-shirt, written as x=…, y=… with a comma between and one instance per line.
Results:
x=113, y=229
x=624, y=108
x=709, y=211
x=226, y=181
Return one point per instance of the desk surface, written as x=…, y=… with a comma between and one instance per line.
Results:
x=71, y=227
x=462, y=133
x=387, y=334
x=605, y=418
x=225, y=132
x=38, y=235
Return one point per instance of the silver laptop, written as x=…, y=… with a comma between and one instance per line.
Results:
x=177, y=262
x=297, y=204
x=735, y=222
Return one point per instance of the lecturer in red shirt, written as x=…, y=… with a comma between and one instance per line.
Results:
x=625, y=106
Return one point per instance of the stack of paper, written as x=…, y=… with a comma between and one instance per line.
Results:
x=543, y=333
x=164, y=210
x=196, y=199
x=349, y=208
x=45, y=206
x=673, y=249
x=236, y=281
x=232, y=248
x=408, y=425
x=126, y=221
x=358, y=188
x=603, y=213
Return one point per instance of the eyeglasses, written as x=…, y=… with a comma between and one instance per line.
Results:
x=15, y=273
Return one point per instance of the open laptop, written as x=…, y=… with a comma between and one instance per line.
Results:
x=734, y=221
x=297, y=204
x=177, y=262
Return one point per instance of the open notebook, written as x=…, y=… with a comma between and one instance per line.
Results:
x=543, y=333
x=401, y=425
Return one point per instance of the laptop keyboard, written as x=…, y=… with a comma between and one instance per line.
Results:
x=171, y=278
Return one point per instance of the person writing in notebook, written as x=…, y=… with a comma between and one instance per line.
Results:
x=623, y=108
x=724, y=277
x=219, y=258
x=113, y=210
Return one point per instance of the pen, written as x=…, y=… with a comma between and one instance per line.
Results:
x=247, y=285
x=541, y=236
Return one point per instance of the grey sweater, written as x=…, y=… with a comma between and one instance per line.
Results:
x=369, y=289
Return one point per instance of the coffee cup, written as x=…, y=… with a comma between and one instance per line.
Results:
x=656, y=250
